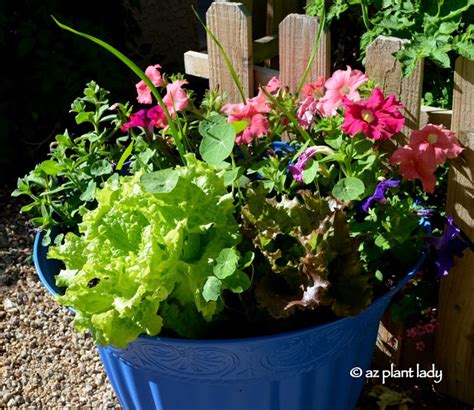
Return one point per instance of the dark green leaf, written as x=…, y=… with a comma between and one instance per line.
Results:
x=239, y=282
x=408, y=58
x=348, y=189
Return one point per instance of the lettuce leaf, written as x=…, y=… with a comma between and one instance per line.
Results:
x=312, y=259
x=143, y=257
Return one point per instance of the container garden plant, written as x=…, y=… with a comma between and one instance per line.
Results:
x=236, y=255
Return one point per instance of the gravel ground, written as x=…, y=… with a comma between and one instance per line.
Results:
x=45, y=363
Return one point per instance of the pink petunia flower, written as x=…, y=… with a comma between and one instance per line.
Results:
x=143, y=91
x=273, y=85
x=437, y=142
x=258, y=124
x=253, y=111
x=259, y=127
x=157, y=117
x=315, y=89
x=176, y=98
x=378, y=117
x=341, y=84
x=137, y=119
x=307, y=111
x=415, y=165
x=260, y=102
x=148, y=119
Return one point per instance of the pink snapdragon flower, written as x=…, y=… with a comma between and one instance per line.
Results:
x=414, y=165
x=378, y=117
x=143, y=91
x=176, y=99
x=436, y=142
x=315, y=89
x=343, y=83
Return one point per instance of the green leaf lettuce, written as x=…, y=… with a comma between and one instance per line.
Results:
x=143, y=257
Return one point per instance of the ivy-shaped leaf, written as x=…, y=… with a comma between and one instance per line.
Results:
x=348, y=189
x=162, y=181
x=218, y=139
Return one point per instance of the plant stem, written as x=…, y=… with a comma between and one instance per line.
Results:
x=322, y=24
x=365, y=14
x=130, y=64
x=227, y=61
x=289, y=115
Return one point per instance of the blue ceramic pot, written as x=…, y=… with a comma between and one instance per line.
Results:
x=304, y=369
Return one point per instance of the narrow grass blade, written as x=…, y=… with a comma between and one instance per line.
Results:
x=139, y=72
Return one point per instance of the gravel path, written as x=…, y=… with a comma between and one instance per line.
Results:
x=45, y=363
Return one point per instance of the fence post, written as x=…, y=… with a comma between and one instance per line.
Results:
x=454, y=350
x=383, y=68
x=297, y=35
x=231, y=24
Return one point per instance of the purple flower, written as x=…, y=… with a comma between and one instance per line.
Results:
x=449, y=245
x=379, y=195
x=298, y=168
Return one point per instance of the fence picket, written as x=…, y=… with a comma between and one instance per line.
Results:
x=297, y=35
x=382, y=67
x=454, y=350
x=232, y=26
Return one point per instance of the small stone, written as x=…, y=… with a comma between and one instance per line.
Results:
x=10, y=306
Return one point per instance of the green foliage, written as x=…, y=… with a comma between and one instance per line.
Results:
x=269, y=228
x=348, y=189
x=313, y=261
x=62, y=185
x=218, y=139
x=144, y=249
x=392, y=230
x=435, y=29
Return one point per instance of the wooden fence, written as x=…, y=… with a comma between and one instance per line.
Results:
x=292, y=40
